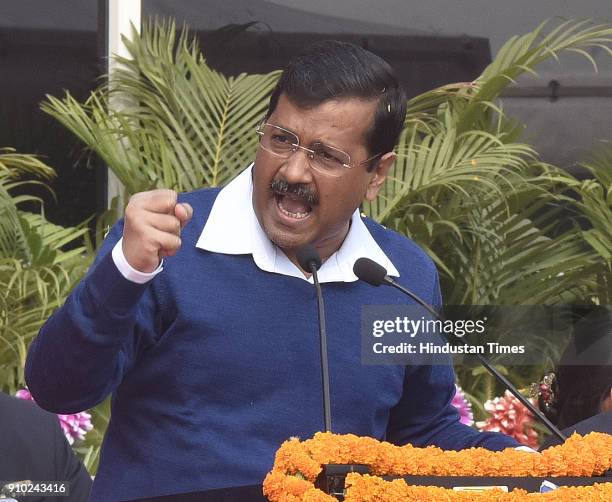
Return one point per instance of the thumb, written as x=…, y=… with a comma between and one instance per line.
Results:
x=183, y=212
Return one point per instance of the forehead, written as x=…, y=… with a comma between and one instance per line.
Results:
x=342, y=121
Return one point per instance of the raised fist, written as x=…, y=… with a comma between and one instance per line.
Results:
x=153, y=223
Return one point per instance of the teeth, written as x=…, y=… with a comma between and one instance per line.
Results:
x=297, y=216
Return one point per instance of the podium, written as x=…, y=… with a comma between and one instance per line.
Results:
x=331, y=480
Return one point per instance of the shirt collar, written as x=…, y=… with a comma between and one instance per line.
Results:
x=233, y=228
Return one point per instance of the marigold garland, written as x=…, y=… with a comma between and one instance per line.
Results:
x=373, y=489
x=298, y=463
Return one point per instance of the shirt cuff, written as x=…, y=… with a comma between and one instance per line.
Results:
x=526, y=448
x=129, y=272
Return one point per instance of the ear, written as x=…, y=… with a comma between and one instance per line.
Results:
x=379, y=175
x=606, y=404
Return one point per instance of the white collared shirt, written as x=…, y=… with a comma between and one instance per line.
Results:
x=233, y=228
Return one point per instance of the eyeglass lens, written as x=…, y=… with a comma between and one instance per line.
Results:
x=284, y=143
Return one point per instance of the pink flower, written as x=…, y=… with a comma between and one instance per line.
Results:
x=24, y=394
x=510, y=416
x=74, y=426
x=463, y=405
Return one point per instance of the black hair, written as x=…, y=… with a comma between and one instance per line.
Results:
x=583, y=377
x=335, y=70
x=581, y=391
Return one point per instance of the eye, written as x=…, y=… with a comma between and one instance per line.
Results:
x=282, y=139
x=327, y=155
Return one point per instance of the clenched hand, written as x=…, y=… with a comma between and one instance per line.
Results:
x=153, y=223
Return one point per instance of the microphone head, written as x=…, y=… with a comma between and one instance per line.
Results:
x=308, y=257
x=369, y=271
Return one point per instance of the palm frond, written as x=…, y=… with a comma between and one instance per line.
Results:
x=18, y=164
x=476, y=199
x=472, y=162
x=522, y=54
x=36, y=269
x=173, y=127
x=594, y=204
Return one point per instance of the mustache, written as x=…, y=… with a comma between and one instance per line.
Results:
x=282, y=187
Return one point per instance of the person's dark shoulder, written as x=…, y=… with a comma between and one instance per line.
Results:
x=23, y=413
x=403, y=252
x=33, y=447
x=602, y=422
x=28, y=439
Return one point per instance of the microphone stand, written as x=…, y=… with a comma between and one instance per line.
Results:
x=309, y=260
x=501, y=378
x=323, y=345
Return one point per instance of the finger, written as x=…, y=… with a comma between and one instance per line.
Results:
x=158, y=201
x=183, y=212
x=165, y=223
x=165, y=241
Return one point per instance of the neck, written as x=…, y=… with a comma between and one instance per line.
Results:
x=325, y=248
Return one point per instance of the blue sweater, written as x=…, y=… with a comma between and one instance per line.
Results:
x=214, y=363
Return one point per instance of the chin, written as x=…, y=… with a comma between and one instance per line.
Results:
x=287, y=241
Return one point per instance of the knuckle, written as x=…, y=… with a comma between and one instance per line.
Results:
x=134, y=198
x=139, y=199
x=172, y=196
x=130, y=213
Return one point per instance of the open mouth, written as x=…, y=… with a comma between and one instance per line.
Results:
x=293, y=207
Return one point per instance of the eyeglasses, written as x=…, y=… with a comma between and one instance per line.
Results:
x=323, y=158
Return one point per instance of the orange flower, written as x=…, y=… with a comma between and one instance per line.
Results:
x=298, y=464
x=372, y=489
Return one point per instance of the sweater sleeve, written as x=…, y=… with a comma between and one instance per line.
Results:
x=425, y=414
x=83, y=350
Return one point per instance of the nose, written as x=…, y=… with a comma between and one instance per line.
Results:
x=296, y=169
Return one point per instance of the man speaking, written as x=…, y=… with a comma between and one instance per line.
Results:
x=198, y=320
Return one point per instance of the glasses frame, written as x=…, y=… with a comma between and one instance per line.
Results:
x=311, y=153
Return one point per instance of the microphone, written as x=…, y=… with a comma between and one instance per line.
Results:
x=308, y=258
x=310, y=261
x=369, y=271
x=375, y=275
